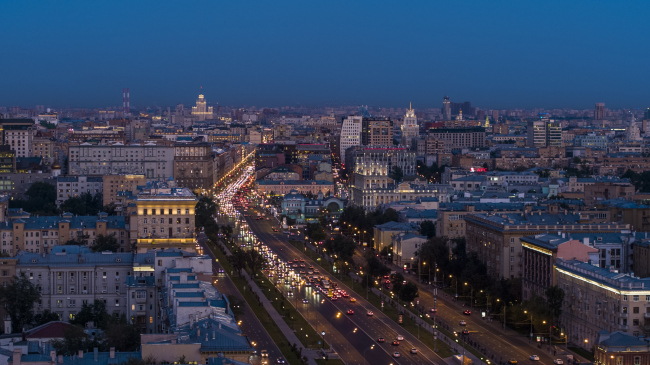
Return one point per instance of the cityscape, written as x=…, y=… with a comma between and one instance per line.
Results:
x=280, y=187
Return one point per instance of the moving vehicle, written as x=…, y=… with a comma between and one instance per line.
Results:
x=395, y=343
x=396, y=354
x=462, y=323
x=414, y=350
x=558, y=362
x=381, y=340
x=467, y=312
x=370, y=313
x=350, y=312
x=534, y=357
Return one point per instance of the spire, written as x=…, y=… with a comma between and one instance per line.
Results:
x=410, y=107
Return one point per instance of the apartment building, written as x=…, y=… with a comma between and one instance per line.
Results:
x=376, y=132
x=74, y=186
x=350, y=134
x=458, y=138
x=154, y=160
x=496, y=238
x=43, y=147
x=597, y=299
x=111, y=184
x=19, y=134
x=70, y=276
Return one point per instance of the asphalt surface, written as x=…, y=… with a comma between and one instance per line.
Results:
x=321, y=312
x=250, y=325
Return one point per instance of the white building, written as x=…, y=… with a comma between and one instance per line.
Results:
x=155, y=161
x=350, y=133
x=19, y=134
x=405, y=245
x=410, y=128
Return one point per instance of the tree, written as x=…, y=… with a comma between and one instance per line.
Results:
x=554, y=299
x=340, y=246
x=390, y=215
x=397, y=281
x=124, y=336
x=396, y=174
x=238, y=260
x=204, y=211
x=18, y=299
x=408, y=292
x=95, y=312
x=428, y=228
x=376, y=268
x=236, y=305
x=105, y=243
x=75, y=340
x=84, y=204
x=315, y=232
x=110, y=209
x=41, y=199
x=226, y=230
x=45, y=317
x=255, y=261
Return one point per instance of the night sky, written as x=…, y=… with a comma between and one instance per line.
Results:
x=496, y=54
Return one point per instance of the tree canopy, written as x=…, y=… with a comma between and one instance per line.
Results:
x=105, y=243
x=41, y=199
x=205, y=211
x=84, y=204
x=18, y=298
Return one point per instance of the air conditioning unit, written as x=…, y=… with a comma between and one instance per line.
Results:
x=85, y=292
x=103, y=291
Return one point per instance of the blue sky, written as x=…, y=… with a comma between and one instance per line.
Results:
x=496, y=54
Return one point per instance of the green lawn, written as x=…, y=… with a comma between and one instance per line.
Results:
x=582, y=352
x=271, y=327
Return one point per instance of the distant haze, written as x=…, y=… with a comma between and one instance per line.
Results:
x=496, y=54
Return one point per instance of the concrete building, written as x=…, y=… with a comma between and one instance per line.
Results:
x=384, y=233
x=410, y=128
x=42, y=234
x=376, y=132
x=71, y=276
x=458, y=138
x=265, y=187
x=590, y=140
x=599, y=111
x=350, y=134
x=155, y=161
x=201, y=111
x=405, y=246
x=19, y=134
x=194, y=166
x=111, y=184
x=544, y=133
x=74, y=186
x=597, y=299
x=162, y=216
x=43, y=147
x=496, y=238
x=620, y=348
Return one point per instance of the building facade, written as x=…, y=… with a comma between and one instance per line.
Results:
x=74, y=186
x=155, y=161
x=350, y=134
x=194, y=166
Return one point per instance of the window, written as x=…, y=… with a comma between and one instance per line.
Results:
x=636, y=299
x=151, y=321
x=59, y=289
x=512, y=249
x=187, y=221
x=637, y=360
x=153, y=212
x=178, y=211
x=187, y=211
x=117, y=302
x=159, y=262
x=141, y=294
x=635, y=309
x=144, y=211
x=635, y=322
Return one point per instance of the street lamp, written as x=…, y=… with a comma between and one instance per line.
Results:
x=364, y=353
x=531, y=324
x=471, y=295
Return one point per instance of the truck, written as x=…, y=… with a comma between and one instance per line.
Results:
x=326, y=283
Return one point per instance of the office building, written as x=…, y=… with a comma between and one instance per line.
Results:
x=446, y=108
x=599, y=111
x=350, y=134
x=544, y=133
x=376, y=132
x=112, y=184
x=19, y=134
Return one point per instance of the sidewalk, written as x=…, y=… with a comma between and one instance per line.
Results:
x=278, y=319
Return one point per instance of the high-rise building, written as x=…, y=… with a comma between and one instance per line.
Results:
x=646, y=114
x=599, y=111
x=19, y=134
x=446, y=108
x=194, y=165
x=544, y=133
x=350, y=133
x=201, y=111
x=376, y=131
x=457, y=138
x=410, y=128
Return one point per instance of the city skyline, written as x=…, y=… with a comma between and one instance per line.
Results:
x=550, y=55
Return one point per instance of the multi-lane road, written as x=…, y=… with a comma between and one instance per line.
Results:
x=350, y=335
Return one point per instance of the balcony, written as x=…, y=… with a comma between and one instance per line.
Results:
x=623, y=315
x=622, y=327
x=646, y=315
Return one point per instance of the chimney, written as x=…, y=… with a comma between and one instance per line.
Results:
x=53, y=356
x=81, y=354
x=16, y=356
x=111, y=354
x=96, y=351
x=183, y=277
x=585, y=241
x=198, y=332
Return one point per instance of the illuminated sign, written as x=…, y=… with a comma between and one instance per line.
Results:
x=477, y=169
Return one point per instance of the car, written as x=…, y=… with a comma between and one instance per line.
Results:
x=400, y=338
x=396, y=354
x=280, y=361
x=353, y=300
x=467, y=312
x=350, y=312
x=381, y=340
x=512, y=362
x=395, y=343
x=462, y=323
x=290, y=293
x=370, y=314
x=465, y=332
x=534, y=357
x=305, y=301
x=334, y=297
x=558, y=362
x=414, y=350
x=433, y=310
x=264, y=353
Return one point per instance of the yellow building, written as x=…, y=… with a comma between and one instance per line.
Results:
x=114, y=183
x=162, y=216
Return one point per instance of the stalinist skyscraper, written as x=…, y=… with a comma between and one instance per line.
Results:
x=201, y=111
x=410, y=128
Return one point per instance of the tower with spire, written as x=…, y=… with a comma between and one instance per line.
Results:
x=410, y=128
